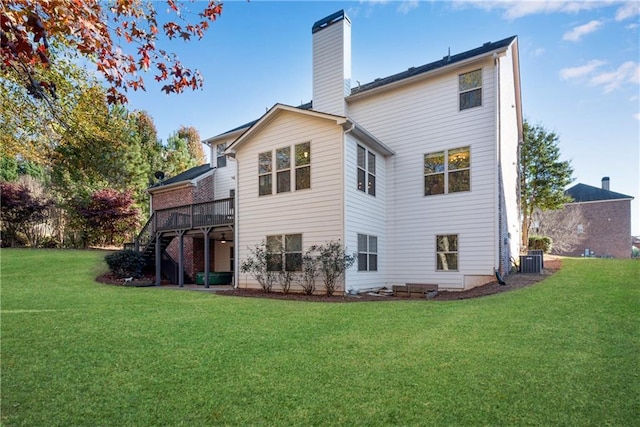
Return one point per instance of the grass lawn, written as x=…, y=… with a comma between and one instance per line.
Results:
x=563, y=352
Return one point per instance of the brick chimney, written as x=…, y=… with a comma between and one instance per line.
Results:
x=331, y=63
x=605, y=183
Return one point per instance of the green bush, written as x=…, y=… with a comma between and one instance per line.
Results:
x=126, y=263
x=543, y=243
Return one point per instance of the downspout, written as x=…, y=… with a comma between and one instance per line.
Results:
x=236, y=234
x=498, y=181
x=344, y=189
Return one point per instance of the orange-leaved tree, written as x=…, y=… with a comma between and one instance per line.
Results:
x=100, y=31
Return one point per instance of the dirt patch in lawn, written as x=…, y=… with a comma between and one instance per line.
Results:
x=513, y=281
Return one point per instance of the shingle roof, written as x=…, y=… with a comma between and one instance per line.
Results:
x=413, y=71
x=588, y=193
x=187, y=175
x=447, y=60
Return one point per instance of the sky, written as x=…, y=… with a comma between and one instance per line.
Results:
x=580, y=68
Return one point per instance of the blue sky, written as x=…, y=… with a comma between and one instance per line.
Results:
x=580, y=67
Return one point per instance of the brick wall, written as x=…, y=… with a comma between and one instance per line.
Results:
x=169, y=199
x=607, y=228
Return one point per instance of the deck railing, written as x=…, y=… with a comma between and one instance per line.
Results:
x=207, y=214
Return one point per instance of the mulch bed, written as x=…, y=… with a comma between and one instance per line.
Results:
x=513, y=281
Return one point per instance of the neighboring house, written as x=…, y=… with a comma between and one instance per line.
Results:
x=606, y=216
x=417, y=172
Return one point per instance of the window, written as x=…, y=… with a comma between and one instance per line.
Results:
x=366, y=171
x=367, y=253
x=303, y=166
x=264, y=173
x=447, y=252
x=447, y=171
x=283, y=168
x=284, y=252
x=470, y=87
x=221, y=159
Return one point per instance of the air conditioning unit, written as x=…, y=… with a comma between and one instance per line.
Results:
x=538, y=252
x=530, y=264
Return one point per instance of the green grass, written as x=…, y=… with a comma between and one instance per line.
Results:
x=74, y=352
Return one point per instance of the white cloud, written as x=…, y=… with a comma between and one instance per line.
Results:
x=631, y=26
x=629, y=72
x=628, y=10
x=581, y=71
x=636, y=116
x=609, y=80
x=514, y=9
x=538, y=52
x=407, y=5
x=582, y=30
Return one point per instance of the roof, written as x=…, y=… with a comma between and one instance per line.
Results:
x=186, y=176
x=447, y=60
x=411, y=72
x=347, y=124
x=587, y=193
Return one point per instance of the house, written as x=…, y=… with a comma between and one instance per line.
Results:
x=416, y=173
x=605, y=226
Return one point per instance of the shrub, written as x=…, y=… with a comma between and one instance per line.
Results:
x=543, y=243
x=307, y=279
x=126, y=263
x=256, y=265
x=334, y=262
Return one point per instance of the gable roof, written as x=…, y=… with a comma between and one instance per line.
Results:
x=586, y=193
x=188, y=177
x=411, y=72
x=348, y=126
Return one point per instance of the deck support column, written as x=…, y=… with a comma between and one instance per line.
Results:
x=158, y=256
x=207, y=257
x=181, y=258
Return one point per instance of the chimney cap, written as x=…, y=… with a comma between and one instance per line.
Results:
x=329, y=20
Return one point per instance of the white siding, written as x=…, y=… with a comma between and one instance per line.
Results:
x=316, y=213
x=423, y=118
x=332, y=67
x=364, y=214
x=509, y=142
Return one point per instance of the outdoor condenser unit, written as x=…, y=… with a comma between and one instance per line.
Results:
x=530, y=264
x=538, y=252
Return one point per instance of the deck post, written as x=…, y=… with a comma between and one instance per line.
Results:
x=158, y=257
x=207, y=257
x=181, y=259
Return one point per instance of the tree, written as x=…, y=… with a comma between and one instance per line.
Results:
x=564, y=226
x=194, y=146
x=20, y=210
x=543, y=176
x=107, y=216
x=177, y=157
x=99, y=32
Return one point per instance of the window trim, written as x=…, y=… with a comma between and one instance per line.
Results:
x=366, y=169
x=292, y=169
x=282, y=240
x=220, y=155
x=446, y=170
x=456, y=252
x=283, y=171
x=462, y=92
x=368, y=253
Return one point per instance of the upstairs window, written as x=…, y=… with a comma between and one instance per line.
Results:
x=265, y=167
x=284, y=252
x=291, y=163
x=221, y=159
x=470, y=88
x=283, y=168
x=447, y=171
x=366, y=171
x=367, y=253
x=303, y=166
